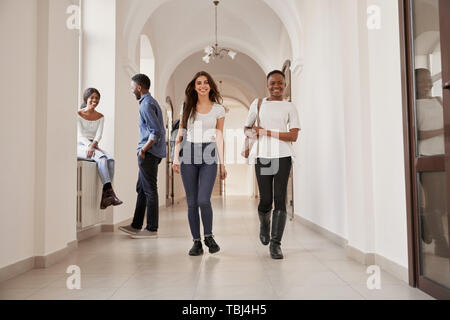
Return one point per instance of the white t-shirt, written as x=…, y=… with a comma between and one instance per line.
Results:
x=276, y=116
x=90, y=130
x=203, y=129
x=430, y=116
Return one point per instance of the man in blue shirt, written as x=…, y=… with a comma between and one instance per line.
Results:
x=151, y=150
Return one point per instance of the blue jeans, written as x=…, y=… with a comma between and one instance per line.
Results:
x=199, y=176
x=105, y=163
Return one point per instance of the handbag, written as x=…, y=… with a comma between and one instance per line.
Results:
x=250, y=140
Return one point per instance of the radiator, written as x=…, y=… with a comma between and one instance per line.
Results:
x=89, y=195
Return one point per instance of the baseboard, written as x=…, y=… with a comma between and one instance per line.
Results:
x=107, y=228
x=115, y=227
x=36, y=262
x=42, y=262
x=89, y=232
x=364, y=258
x=326, y=233
x=367, y=259
x=16, y=269
x=392, y=267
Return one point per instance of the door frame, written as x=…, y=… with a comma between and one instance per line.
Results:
x=286, y=69
x=408, y=93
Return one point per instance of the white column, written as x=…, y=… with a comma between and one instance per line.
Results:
x=17, y=127
x=56, y=135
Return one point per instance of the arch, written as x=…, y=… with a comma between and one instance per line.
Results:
x=248, y=88
x=289, y=16
x=244, y=105
x=141, y=11
x=195, y=47
x=247, y=85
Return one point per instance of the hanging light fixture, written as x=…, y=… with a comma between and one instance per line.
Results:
x=215, y=51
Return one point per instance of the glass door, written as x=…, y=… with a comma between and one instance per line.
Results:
x=428, y=43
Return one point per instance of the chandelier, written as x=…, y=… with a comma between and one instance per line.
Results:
x=213, y=52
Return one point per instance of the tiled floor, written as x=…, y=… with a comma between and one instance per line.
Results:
x=114, y=266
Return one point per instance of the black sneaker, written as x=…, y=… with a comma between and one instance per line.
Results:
x=212, y=245
x=197, y=249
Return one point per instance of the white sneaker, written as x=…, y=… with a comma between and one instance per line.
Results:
x=145, y=234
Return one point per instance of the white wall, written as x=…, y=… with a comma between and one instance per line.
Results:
x=319, y=169
x=17, y=129
x=126, y=126
x=387, y=131
x=148, y=61
x=350, y=177
x=99, y=60
x=240, y=178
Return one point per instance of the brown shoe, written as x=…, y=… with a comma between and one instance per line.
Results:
x=107, y=200
x=117, y=201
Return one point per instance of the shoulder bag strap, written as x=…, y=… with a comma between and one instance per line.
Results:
x=258, y=121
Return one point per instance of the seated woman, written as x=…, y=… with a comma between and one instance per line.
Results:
x=90, y=130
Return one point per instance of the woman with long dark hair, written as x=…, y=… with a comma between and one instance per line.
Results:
x=90, y=131
x=277, y=128
x=203, y=119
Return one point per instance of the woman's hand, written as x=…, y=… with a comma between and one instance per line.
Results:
x=223, y=172
x=90, y=152
x=260, y=131
x=176, y=166
x=249, y=132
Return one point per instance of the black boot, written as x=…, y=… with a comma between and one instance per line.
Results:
x=211, y=244
x=264, y=231
x=197, y=249
x=278, y=224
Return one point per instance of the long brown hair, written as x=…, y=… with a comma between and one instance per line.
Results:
x=190, y=103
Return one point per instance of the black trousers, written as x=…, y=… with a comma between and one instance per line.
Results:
x=273, y=177
x=147, y=190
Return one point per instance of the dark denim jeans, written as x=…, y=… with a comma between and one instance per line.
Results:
x=273, y=177
x=147, y=189
x=199, y=172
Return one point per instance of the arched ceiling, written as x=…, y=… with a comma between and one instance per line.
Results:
x=263, y=29
x=241, y=79
x=249, y=27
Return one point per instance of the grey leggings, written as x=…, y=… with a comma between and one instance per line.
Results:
x=105, y=163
